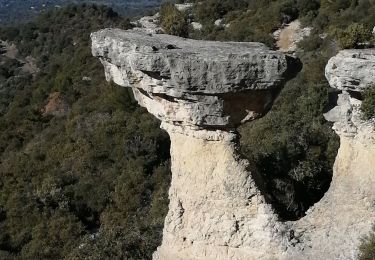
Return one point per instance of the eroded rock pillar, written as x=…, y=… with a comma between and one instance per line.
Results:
x=216, y=210
x=333, y=227
x=201, y=91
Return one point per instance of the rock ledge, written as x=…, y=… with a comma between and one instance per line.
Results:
x=199, y=84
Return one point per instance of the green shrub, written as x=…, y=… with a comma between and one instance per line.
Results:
x=295, y=165
x=335, y=6
x=367, y=247
x=353, y=35
x=173, y=21
x=306, y=6
x=368, y=104
x=101, y=172
x=287, y=11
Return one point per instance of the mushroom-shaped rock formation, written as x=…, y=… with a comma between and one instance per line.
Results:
x=193, y=84
x=201, y=91
x=333, y=227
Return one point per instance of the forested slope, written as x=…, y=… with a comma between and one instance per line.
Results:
x=84, y=170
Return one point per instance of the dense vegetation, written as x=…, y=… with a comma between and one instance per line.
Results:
x=367, y=248
x=350, y=22
x=295, y=146
x=368, y=104
x=91, y=182
x=173, y=21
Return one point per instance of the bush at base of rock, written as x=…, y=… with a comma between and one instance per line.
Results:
x=367, y=248
x=368, y=104
x=353, y=36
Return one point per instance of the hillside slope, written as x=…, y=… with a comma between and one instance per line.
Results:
x=84, y=171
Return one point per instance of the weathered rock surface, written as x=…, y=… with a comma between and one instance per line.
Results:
x=333, y=227
x=352, y=70
x=191, y=83
x=201, y=91
x=288, y=37
x=216, y=210
x=148, y=24
x=197, y=26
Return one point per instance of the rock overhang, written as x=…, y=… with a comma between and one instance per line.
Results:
x=201, y=84
x=350, y=73
x=352, y=70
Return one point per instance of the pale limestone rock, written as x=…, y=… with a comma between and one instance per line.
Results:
x=352, y=70
x=216, y=210
x=197, y=26
x=201, y=91
x=342, y=114
x=218, y=22
x=288, y=37
x=333, y=227
x=184, y=7
x=198, y=84
x=148, y=24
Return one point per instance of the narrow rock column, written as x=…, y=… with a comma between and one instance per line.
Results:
x=333, y=227
x=216, y=211
x=201, y=91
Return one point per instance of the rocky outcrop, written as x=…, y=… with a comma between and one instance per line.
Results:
x=333, y=227
x=216, y=210
x=201, y=91
x=352, y=70
x=290, y=35
x=193, y=84
x=148, y=24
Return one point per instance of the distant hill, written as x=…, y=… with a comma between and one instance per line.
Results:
x=22, y=10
